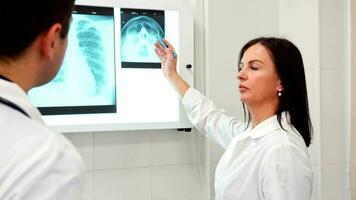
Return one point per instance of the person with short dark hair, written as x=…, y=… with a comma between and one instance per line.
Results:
x=266, y=155
x=35, y=163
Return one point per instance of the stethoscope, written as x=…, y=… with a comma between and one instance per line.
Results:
x=9, y=103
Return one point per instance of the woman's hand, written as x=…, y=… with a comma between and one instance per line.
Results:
x=168, y=58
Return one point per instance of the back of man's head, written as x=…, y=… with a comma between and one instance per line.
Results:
x=22, y=21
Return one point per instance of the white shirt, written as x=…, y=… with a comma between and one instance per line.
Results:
x=263, y=163
x=35, y=163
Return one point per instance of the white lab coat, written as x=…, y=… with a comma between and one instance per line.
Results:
x=35, y=163
x=263, y=163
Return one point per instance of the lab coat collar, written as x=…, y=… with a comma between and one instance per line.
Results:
x=12, y=92
x=268, y=126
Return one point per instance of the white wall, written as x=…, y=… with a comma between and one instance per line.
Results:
x=352, y=88
x=165, y=164
x=140, y=165
x=333, y=99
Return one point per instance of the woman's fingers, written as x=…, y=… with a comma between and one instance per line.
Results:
x=159, y=47
x=166, y=52
x=170, y=46
x=170, y=49
x=159, y=54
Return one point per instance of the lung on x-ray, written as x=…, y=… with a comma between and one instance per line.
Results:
x=86, y=80
x=140, y=29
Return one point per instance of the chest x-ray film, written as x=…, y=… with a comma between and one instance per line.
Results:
x=86, y=80
x=140, y=29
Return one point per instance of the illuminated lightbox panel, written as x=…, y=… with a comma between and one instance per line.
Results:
x=110, y=78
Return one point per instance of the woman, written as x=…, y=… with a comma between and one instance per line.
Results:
x=266, y=154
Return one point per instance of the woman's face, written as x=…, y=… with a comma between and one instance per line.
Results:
x=259, y=81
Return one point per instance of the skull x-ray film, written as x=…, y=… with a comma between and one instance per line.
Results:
x=86, y=80
x=140, y=29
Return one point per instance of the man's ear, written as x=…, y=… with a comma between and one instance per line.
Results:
x=49, y=40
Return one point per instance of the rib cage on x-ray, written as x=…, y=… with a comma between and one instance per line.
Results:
x=90, y=43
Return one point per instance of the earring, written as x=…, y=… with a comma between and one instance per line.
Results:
x=279, y=93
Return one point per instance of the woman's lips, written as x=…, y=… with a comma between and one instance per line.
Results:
x=242, y=88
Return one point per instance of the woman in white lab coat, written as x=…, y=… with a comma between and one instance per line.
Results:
x=35, y=163
x=266, y=155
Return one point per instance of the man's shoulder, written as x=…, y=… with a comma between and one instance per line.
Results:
x=21, y=137
x=17, y=128
x=33, y=157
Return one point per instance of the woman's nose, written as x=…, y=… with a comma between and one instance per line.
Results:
x=241, y=75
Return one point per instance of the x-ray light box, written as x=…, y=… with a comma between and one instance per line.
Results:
x=110, y=78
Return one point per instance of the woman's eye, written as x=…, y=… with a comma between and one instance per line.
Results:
x=239, y=67
x=254, y=68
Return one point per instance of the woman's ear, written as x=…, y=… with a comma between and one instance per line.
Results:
x=49, y=40
x=280, y=87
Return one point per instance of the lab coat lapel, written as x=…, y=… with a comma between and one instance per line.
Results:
x=268, y=126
